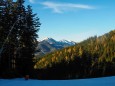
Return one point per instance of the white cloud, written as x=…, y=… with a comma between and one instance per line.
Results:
x=32, y=1
x=61, y=7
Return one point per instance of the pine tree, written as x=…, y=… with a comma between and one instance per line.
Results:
x=6, y=44
x=28, y=42
x=18, y=32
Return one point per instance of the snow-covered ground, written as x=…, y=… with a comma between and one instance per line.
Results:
x=106, y=81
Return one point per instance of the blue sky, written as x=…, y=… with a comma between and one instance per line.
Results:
x=74, y=20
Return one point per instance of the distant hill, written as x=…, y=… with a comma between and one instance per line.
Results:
x=49, y=45
x=93, y=57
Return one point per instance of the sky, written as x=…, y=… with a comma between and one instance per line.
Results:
x=74, y=20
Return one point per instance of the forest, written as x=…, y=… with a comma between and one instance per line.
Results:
x=18, y=38
x=94, y=57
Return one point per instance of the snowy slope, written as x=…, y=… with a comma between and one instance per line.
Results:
x=106, y=81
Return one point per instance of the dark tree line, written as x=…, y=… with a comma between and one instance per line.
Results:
x=18, y=33
x=94, y=57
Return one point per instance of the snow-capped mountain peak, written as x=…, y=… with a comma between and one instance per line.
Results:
x=68, y=42
x=53, y=41
x=49, y=40
x=49, y=45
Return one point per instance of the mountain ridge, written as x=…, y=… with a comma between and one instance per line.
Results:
x=48, y=45
x=93, y=57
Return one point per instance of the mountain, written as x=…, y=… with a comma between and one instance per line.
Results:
x=49, y=45
x=93, y=57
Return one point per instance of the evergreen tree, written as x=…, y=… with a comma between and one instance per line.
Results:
x=27, y=42
x=7, y=45
x=18, y=32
